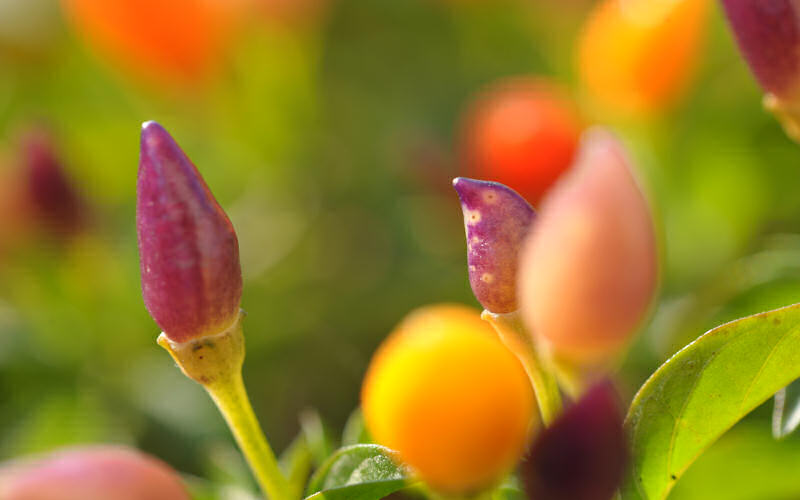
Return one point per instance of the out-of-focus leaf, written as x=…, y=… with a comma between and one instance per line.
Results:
x=698, y=394
x=226, y=465
x=295, y=461
x=511, y=489
x=355, y=432
x=359, y=472
x=63, y=420
x=786, y=413
x=319, y=441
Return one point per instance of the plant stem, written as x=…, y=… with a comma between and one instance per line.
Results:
x=231, y=398
x=215, y=362
x=512, y=332
x=787, y=112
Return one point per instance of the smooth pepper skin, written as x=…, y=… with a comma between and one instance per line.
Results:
x=768, y=34
x=589, y=269
x=450, y=398
x=91, y=473
x=496, y=220
x=189, y=254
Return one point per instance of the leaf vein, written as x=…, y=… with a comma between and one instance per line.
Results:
x=679, y=416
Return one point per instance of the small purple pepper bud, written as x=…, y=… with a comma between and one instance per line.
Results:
x=582, y=455
x=768, y=34
x=50, y=194
x=189, y=254
x=496, y=220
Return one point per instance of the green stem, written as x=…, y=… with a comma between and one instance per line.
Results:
x=215, y=362
x=512, y=332
x=231, y=398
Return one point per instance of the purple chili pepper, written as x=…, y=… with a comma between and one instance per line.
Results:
x=189, y=254
x=496, y=220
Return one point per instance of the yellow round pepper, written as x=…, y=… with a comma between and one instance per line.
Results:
x=453, y=401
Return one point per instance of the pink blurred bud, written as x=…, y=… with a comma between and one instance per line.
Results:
x=768, y=33
x=496, y=220
x=589, y=267
x=582, y=455
x=49, y=193
x=92, y=473
x=189, y=254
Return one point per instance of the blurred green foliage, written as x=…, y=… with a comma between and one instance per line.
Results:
x=331, y=143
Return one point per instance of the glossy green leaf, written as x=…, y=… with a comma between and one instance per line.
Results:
x=358, y=472
x=745, y=464
x=698, y=394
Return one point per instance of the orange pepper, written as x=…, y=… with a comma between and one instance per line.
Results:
x=175, y=40
x=450, y=398
x=639, y=55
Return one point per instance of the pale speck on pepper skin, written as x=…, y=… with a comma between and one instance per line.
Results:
x=496, y=220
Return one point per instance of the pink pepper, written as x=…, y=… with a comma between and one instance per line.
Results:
x=588, y=272
x=189, y=254
x=91, y=473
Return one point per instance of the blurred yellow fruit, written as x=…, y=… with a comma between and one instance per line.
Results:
x=445, y=393
x=638, y=55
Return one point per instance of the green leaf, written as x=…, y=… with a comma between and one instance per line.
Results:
x=511, y=489
x=358, y=472
x=295, y=462
x=745, y=464
x=702, y=391
x=319, y=441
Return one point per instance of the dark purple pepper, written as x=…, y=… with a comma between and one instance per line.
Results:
x=583, y=454
x=496, y=220
x=50, y=193
x=189, y=254
x=768, y=33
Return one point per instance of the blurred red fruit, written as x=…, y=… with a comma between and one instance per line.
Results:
x=175, y=40
x=522, y=133
x=92, y=473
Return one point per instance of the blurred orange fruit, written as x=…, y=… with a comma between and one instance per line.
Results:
x=522, y=133
x=639, y=55
x=445, y=393
x=177, y=40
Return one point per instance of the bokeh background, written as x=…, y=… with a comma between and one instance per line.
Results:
x=329, y=130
